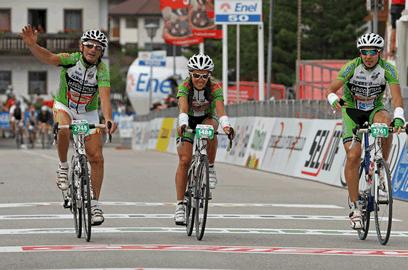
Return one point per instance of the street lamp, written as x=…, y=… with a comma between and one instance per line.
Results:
x=151, y=29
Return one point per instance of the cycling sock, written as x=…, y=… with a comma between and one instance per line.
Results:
x=94, y=203
x=211, y=165
x=64, y=164
x=179, y=202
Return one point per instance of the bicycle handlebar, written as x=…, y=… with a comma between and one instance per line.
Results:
x=91, y=126
x=357, y=130
x=183, y=130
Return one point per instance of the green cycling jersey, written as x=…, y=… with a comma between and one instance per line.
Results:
x=79, y=84
x=364, y=88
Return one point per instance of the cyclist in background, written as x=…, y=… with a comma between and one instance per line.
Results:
x=83, y=79
x=17, y=117
x=201, y=101
x=364, y=79
x=44, y=120
x=31, y=124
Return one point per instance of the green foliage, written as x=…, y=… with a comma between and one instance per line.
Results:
x=117, y=79
x=328, y=32
x=132, y=50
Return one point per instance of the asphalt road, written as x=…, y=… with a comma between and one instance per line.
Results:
x=257, y=220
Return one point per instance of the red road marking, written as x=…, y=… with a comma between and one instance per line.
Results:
x=229, y=249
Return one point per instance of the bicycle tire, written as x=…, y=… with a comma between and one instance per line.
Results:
x=364, y=189
x=383, y=203
x=201, y=195
x=18, y=141
x=188, y=197
x=86, y=197
x=75, y=207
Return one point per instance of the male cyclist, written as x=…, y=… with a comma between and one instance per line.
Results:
x=364, y=80
x=44, y=119
x=17, y=117
x=198, y=97
x=31, y=124
x=84, y=77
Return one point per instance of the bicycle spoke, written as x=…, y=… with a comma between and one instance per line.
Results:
x=383, y=204
x=202, y=194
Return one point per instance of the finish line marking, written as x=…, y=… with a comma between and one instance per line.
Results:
x=212, y=216
x=40, y=204
x=207, y=230
x=224, y=249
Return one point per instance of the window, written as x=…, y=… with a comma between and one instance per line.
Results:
x=155, y=21
x=37, y=18
x=131, y=23
x=5, y=81
x=5, y=20
x=73, y=20
x=37, y=83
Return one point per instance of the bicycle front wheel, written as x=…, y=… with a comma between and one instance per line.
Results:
x=18, y=140
x=201, y=195
x=188, y=198
x=364, y=188
x=43, y=139
x=86, y=197
x=75, y=205
x=383, y=202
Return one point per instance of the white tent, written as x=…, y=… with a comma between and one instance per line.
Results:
x=138, y=82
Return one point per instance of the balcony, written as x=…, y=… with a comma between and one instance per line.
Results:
x=12, y=44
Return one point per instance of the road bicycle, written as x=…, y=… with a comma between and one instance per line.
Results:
x=375, y=189
x=45, y=135
x=197, y=192
x=17, y=133
x=79, y=194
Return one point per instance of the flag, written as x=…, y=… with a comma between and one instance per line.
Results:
x=201, y=17
x=177, y=28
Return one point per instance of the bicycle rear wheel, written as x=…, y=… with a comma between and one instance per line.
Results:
x=201, y=195
x=364, y=188
x=383, y=203
x=86, y=197
x=75, y=206
x=188, y=198
x=43, y=139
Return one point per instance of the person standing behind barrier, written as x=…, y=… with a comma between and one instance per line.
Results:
x=397, y=6
x=365, y=79
x=17, y=118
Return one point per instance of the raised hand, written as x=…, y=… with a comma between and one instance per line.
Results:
x=28, y=36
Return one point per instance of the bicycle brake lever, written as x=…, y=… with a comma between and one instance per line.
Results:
x=181, y=142
x=230, y=136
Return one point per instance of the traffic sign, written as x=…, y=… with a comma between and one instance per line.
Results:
x=155, y=58
x=238, y=12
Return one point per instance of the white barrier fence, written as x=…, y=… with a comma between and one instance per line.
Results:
x=304, y=148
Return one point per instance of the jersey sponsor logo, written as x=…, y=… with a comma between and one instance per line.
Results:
x=392, y=70
x=348, y=69
x=361, y=77
x=375, y=75
x=100, y=67
x=79, y=98
x=66, y=55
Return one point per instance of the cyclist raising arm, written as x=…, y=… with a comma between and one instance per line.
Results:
x=198, y=97
x=364, y=80
x=84, y=77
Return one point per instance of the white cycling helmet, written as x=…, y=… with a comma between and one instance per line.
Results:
x=44, y=108
x=200, y=62
x=95, y=35
x=370, y=40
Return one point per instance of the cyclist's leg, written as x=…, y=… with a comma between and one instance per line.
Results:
x=93, y=148
x=380, y=115
x=185, y=154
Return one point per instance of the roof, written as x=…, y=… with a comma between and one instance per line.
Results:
x=137, y=7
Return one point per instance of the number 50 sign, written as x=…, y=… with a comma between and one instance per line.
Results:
x=238, y=12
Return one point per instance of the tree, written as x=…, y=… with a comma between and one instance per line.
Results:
x=328, y=32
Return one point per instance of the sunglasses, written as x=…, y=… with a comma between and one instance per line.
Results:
x=91, y=45
x=198, y=76
x=369, y=52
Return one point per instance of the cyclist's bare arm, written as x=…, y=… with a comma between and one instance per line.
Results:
x=219, y=106
x=332, y=89
x=183, y=105
x=104, y=95
x=41, y=53
x=396, y=95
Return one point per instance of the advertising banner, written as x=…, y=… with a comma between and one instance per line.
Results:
x=201, y=16
x=124, y=123
x=400, y=175
x=155, y=126
x=4, y=119
x=164, y=134
x=286, y=144
x=171, y=146
x=259, y=142
x=177, y=28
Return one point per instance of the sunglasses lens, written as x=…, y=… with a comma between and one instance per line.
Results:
x=369, y=52
x=91, y=45
x=198, y=76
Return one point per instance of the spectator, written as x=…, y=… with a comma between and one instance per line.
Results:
x=129, y=110
x=157, y=105
x=170, y=101
x=11, y=101
x=121, y=108
x=3, y=109
x=397, y=6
